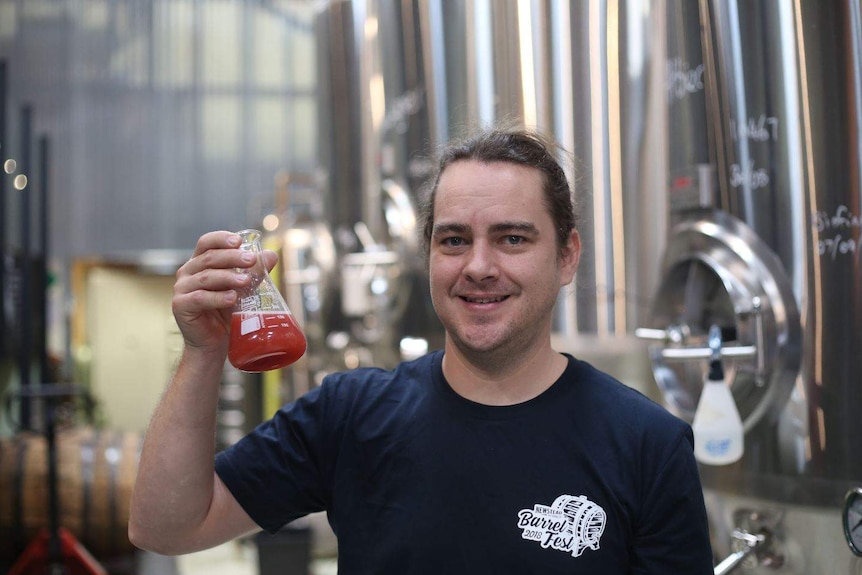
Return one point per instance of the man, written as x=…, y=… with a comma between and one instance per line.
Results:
x=495, y=455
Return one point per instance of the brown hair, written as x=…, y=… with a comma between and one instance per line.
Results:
x=521, y=147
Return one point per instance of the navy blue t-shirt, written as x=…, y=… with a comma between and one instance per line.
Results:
x=589, y=477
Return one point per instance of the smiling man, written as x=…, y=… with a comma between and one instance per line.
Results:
x=494, y=455
x=496, y=269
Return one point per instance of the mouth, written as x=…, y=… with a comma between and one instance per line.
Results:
x=481, y=300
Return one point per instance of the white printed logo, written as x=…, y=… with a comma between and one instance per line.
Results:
x=571, y=524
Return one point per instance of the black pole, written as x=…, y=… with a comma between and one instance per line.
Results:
x=42, y=270
x=56, y=564
x=50, y=394
x=4, y=89
x=25, y=311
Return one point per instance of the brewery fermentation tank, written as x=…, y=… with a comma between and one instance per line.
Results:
x=717, y=153
x=400, y=78
x=764, y=109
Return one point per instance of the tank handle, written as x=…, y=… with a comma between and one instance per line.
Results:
x=676, y=334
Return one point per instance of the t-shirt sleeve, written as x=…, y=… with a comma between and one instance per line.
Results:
x=673, y=532
x=275, y=473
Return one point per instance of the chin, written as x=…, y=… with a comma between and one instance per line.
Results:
x=480, y=344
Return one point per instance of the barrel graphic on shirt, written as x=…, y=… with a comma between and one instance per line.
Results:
x=586, y=521
x=572, y=523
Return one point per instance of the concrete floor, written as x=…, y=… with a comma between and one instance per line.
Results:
x=286, y=553
x=238, y=558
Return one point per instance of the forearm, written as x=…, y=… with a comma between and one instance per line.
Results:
x=174, y=487
x=178, y=504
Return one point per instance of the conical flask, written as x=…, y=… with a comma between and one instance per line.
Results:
x=263, y=334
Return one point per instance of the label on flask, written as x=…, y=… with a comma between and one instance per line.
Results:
x=250, y=303
x=250, y=324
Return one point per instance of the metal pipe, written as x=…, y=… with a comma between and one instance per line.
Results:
x=752, y=543
x=732, y=561
x=686, y=353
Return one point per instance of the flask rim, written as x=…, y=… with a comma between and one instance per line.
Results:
x=249, y=236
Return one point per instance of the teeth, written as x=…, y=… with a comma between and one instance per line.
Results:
x=485, y=300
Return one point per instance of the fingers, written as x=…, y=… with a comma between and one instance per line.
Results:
x=209, y=278
x=217, y=251
x=217, y=240
x=206, y=287
x=215, y=270
x=207, y=291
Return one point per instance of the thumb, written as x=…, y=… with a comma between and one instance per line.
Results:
x=270, y=258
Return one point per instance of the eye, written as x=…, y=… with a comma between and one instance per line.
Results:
x=513, y=240
x=452, y=242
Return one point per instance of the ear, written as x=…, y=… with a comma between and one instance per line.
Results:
x=570, y=255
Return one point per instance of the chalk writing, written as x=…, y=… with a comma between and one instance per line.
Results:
x=845, y=225
x=761, y=129
x=748, y=176
x=843, y=218
x=682, y=80
x=838, y=246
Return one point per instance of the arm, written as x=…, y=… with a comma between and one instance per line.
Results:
x=179, y=505
x=673, y=532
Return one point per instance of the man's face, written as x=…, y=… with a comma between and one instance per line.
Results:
x=494, y=262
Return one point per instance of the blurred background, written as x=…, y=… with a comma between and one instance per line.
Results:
x=715, y=151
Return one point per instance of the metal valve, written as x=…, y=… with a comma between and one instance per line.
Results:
x=750, y=550
x=750, y=543
x=677, y=334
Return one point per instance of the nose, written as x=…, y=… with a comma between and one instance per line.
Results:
x=481, y=263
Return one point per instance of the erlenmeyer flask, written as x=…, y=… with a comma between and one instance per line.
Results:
x=263, y=333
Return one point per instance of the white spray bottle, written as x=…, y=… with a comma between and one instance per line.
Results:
x=717, y=426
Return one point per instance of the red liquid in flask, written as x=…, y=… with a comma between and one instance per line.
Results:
x=260, y=341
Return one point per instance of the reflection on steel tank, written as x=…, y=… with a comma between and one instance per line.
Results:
x=716, y=162
x=351, y=264
x=764, y=109
x=398, y=79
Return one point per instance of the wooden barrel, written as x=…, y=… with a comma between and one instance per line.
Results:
x=95, y=474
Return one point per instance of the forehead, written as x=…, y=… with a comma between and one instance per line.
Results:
x=470, y=182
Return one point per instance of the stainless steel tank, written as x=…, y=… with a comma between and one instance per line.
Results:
x=433, y=69
x=562, y=68
x=353, y=265
x=400, y=78
x=765, y=199
x=717, y=154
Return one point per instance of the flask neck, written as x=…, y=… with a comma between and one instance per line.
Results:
x=250, y=240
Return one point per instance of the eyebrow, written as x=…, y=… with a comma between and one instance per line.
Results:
x=522, y=227
x=450, y=229
x=513, y=226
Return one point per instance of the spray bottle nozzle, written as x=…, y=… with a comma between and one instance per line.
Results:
x=716, y=371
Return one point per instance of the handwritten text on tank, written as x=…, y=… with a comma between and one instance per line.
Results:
x=845, y=226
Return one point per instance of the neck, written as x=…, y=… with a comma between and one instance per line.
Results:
x=494, y=380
